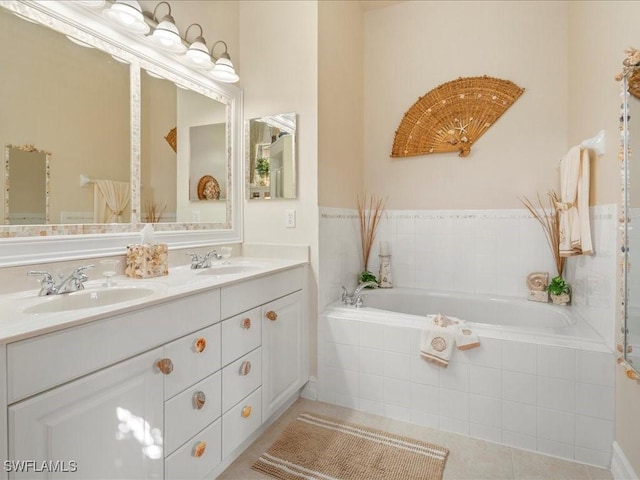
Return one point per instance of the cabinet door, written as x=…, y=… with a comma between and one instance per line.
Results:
x=109, y=424
x=282, y=351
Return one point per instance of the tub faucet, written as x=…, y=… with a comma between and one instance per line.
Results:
x=355, y=298
x=72, y=283
x=205, y=261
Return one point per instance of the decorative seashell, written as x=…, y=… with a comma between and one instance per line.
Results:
x=439, y=344
x=538, y=281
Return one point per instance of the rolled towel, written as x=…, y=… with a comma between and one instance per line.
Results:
x=466, y=339
x=436, y=345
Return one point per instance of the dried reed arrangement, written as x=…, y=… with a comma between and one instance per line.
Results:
x=370, y=210
x=550, y=224
x=153, y=211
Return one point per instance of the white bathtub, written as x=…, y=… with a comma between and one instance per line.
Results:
x=541, y=378
x=492, y=316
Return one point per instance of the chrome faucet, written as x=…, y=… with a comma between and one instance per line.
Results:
x=205, y=261
x=72, y=283
x=356, y=297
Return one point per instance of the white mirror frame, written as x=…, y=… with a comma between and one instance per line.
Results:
x=24, y=245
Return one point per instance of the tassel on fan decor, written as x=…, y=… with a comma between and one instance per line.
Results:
x=370, y=209
x=453, y=116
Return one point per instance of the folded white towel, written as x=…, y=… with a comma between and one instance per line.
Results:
x=436, y=345
x=466, y=339
x=437, y=341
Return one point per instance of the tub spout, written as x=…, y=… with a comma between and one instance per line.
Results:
x=355, y=297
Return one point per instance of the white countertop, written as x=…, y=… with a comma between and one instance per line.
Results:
x=182, y=281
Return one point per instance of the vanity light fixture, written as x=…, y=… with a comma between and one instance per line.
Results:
x=223, y=70
x=127, y=14
x=197, y=54
x=166, y=35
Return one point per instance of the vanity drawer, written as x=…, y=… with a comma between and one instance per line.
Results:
x=241, y=421
x=187, y=412
x=241, y=378
x=190, y=359
x=244, y=296
x=241, y=334
x=42, y=362
x=198, y=457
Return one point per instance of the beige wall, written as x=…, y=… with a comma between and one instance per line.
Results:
x=412, y=47
x=600, y=32
x=279, y=74
x=66, y=99
x=340, y=103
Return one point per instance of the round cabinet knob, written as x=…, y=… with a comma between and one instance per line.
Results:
x=199, y=449
x=246, y=323
x=271, y=315
x=198, y=400
x=246, y=411
x=245, y=368
x=200, y=344
x=165, y=365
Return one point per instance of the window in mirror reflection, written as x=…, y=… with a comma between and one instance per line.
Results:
x=271, y=157
x=196, y=126
x=71, y=99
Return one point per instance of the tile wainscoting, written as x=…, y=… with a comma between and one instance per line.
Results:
x=471, y=251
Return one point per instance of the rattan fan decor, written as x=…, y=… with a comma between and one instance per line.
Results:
x=634, y=84
x=453, y=116
x=172, y=139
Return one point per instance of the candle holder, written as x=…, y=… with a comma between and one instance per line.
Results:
x=385, y=272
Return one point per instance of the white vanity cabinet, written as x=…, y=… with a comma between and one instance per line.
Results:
x=104, y=425
x=282, y=351
x=172, y=390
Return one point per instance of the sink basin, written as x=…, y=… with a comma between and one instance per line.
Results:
x=100, y=297
x=228, y=269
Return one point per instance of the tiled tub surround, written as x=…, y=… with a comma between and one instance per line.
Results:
x=550, y=394
x=472, y=251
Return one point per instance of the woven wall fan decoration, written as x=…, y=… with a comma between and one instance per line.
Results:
x=453, y=116
x=172, y=139
x=634, y=84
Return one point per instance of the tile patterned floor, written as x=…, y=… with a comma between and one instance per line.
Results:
x=469, y=458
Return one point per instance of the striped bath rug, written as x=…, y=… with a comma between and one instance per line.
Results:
x=323, y=448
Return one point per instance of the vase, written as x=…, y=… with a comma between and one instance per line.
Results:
x=561, y=299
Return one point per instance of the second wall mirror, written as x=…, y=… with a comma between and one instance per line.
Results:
x=271, y=157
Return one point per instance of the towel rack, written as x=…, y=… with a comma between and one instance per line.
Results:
x=596, y=143
x=85, y=180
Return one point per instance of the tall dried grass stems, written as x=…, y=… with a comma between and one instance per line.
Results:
x=153, y=211
x=370, y=210
x=550, y=221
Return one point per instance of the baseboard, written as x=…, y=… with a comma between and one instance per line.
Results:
x=621, y=469
x=310, y=390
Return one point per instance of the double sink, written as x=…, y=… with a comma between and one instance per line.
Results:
x=129, y=290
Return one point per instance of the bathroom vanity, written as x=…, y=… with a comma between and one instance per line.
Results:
x=172, y=385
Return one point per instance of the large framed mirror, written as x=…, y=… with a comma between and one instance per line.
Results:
x=90, y=99
x=630, y=138
x=270, y=157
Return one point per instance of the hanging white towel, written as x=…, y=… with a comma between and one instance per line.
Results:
x=110, y=198
x=436, y=345
x=575, y=227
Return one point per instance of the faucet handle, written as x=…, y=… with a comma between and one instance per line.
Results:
x=46, y=276
x=345, y=294
x=358, y=301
